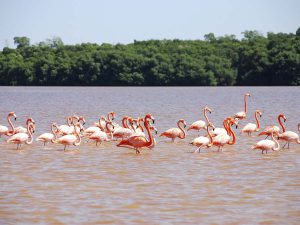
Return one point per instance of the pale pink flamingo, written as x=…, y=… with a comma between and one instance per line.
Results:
x=21, y=129
x=48, y=137
x=243, y=114
x=5, y=130
x=104, y=120
x=64, y=129
x=224, y=139
x=268, y=130
x=90, y=130
x=22, y=138
x=100, y=136
x=138, y=142
x=200, y=124
x=252, y=127
x=289, y=136
x=70, y=139
x=124, y=132
x=175, y=132
x=203, y=141
x=265, y=145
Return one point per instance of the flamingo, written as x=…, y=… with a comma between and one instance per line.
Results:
x=124, y=132
x=289, y=136
x=100, y=136
x=200, y=124
x=70, y=139
x=268, y=130
x=64, y=129
x=21, y=129
x=175, y=132
x=4, y=130
x=265, y=145
x=21, y=138
x=203, y=141
x=243, y=114
x=224, y=139
x=138, y=142
x=48, y=137
x=252, y=127
x=104, y=120
x=90, y=130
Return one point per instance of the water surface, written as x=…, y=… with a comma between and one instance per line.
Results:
x=169, y=185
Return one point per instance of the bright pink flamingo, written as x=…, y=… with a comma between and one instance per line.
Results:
x=48, y=137
x=70, y=139
x=243, y=114
x=265, y=145
x=21, y=129
x=268, y=130
x=175, y=132
x=252, y=127
x=100, y=136
x=138, y=142
x=104, y=120
x=224, y=139
x=200, y=124
x=4, y=130
x=22, y=138
x=203, y=141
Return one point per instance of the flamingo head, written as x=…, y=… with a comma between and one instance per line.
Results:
x=248, y=94
x=207, y=109
x=210, y=124
x=30, y=120
x=183, y=122
x=12, y=114
x=232, y=121
x=111, y=125
x=259, y=113
x=113, y=115
x=154, y=128
x=281, y=115
x=81, y=118
x=149, y=117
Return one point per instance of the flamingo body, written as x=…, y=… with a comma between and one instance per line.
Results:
x=46, y=137
x=198, y=125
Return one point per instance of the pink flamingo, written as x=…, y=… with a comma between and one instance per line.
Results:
x=243, y=114
x=268, y=130
x=21, y=129
x=175, y=132
x=100, y=136
x=90, y=130
x=104, y=120
x=4, y=130
x=289, y=136
x=252, y=127
x=200, y=124
x=124, y=132
x=265, y=145
x=70, y=139
x=224, y=139
x=21, y=138
x=48, y=137
x=64, y=129
x=203, y=141
x=138, y=142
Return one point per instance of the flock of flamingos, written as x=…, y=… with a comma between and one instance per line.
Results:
x=137, y=133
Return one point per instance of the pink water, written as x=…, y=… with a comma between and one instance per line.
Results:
x=169, y=185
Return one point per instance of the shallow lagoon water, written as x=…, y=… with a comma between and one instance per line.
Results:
x=167, y=185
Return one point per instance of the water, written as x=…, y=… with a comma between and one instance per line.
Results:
x=110, y=185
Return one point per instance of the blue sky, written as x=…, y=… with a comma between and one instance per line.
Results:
x=122, y=21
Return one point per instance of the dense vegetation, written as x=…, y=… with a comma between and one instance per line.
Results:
x=253, y=60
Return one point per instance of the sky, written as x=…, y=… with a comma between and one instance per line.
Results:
x=123, y=21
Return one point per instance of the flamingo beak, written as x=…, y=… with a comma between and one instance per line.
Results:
x=236, y=126
x=184, y=126
x=260, y=115
x=156, y=132
x=153, y=121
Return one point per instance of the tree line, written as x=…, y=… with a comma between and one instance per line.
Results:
x=255, y=59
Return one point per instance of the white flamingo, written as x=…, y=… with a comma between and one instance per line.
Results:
x=266, y=145
x=48, y=137
x=252, y=127
x=22, y=138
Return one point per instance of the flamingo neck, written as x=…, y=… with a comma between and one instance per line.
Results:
x=77, y=142
x=123, y=121
x=225, y=126
x=54, y=133
x=146, y=124
x=182, y=130
x=69, y=121
x=232, y=133
x=205, y=115
x=280, y=122
x=11, y=125
x=29, y=131
x=110, y=131
x=257, y=122
x=139, y=124
x=245, y=104
x=276, y=142
x=209, y=135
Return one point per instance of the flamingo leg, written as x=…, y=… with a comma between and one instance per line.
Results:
x=44, y=143
x=266, y=137
x=197, y=150
x=65, y=148
x=262, y=151
x=288, y=145
x=284, y=145
x=173, y=139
